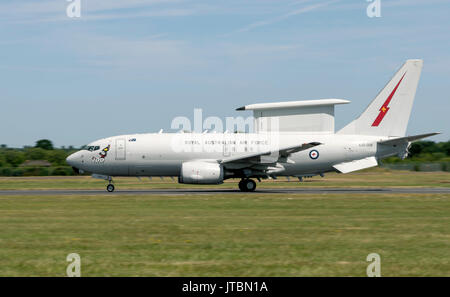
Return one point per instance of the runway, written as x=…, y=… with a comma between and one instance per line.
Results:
x=211, y=191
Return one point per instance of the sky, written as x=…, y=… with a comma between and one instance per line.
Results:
x=131, y=66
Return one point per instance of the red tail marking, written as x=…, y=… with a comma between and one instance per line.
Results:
x=384, y=108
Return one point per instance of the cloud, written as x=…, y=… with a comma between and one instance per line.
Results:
x=160, y=54
x=155, y=53
x=55, y=10
x=286, y=16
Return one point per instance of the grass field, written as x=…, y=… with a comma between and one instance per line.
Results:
x=228, y=235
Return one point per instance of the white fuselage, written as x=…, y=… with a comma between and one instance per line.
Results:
x=163, y=154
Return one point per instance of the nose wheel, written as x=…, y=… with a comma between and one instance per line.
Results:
x=110, y=186
x=247, y=185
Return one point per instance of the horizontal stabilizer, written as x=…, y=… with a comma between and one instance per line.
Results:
x=356, y=165
x=407, y=138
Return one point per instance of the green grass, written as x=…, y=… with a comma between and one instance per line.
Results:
x=225, y=235
x=372, y=178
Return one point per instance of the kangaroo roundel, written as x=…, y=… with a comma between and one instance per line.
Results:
x=314, y=154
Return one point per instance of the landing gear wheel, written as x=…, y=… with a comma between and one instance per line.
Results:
x=247, y=185
x=241, y=185
x=250, y=185
x=110, y=188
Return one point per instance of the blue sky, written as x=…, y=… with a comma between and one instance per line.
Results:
x=131, y=66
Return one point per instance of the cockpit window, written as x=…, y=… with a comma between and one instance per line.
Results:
x=92, y=148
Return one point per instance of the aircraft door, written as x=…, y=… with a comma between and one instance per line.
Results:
x=121, y=149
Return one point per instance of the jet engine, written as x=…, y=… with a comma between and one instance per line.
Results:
x=198, y=172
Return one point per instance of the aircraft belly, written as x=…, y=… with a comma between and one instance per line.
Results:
x=306, y=169
x=156, y=168
x=118, y=169
x=316, y=160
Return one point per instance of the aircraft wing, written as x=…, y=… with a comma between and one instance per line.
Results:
x=270, y=157
x=405, y=139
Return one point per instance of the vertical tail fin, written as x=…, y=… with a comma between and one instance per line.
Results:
x=388, y=114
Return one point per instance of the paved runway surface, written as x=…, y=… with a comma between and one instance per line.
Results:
x=233, y=191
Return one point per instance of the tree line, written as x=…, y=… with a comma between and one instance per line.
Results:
x=426, y=151
x=13, y=161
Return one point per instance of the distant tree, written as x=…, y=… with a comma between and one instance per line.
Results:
x=14, y=158
x=44, y=144
x=36, y=154
x=446, y=148
x=57, y=157
x=420, y=147
x=3, y=146
x=428, y=148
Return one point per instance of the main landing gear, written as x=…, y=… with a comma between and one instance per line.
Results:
x=247, y=185
x=110, y=186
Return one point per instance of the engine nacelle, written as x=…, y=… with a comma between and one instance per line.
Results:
x=198, y=172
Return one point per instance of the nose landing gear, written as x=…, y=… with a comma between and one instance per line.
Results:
x=247, y=185
x=110, y=186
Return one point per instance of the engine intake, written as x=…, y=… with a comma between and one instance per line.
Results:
x=198, y=172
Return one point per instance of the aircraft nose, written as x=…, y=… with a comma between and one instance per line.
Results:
x=73, y=159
